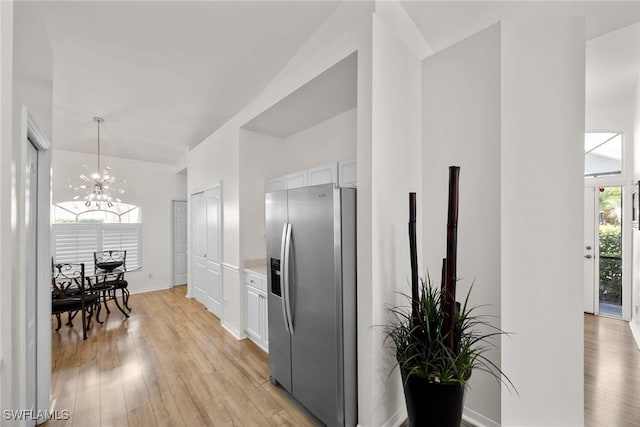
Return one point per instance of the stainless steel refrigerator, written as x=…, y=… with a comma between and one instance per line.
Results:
x=311, y=252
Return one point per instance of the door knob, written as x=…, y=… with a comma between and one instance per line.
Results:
x=588, y=256
x=588, y=248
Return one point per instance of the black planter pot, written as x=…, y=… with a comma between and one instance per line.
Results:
x=432, y=404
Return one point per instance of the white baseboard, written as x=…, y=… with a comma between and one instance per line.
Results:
x=478, y=420
x=149, y=289
x=635, y=331
x=469, y=415
x=233, y=331
x=396, y=419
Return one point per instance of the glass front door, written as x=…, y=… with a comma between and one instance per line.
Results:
x=610, y=251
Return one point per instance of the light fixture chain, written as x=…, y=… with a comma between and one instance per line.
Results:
x=100, y=187
x=99, y=170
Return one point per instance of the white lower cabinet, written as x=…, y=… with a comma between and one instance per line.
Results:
x=254, y=327
x=256, y=314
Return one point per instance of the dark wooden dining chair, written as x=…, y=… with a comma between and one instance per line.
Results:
x=71, y=294
x=113, y=264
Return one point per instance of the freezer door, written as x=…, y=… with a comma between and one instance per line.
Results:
x=314, y=292
x=279, y=337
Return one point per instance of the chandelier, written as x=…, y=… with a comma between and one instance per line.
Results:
x=98, y=188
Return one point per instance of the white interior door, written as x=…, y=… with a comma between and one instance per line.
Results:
x=589, y=249
x=206, y=249
x=179, y=236
x=31, y=217
x=213, y=261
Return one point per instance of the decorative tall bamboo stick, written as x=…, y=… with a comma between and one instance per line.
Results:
x=449, y=291
x=415, y=296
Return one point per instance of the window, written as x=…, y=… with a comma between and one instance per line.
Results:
x=78, y=232
x=602, y=153
x=77, y=213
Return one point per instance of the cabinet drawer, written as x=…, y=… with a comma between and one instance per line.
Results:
x=255, y=280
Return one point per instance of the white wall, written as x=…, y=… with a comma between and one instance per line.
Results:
x=542, y=88
x=216, y=160
x=217, y=157
x=635, y=303
x=366, y=383
x=25, y=80
x=461, y=126
x=542, y=102
x=329, y=141
x=150, y=186
x=263, y=156
x=635, y=131
x=258, y=160
x=395, y=171
x=6, y=242
x=497, y=104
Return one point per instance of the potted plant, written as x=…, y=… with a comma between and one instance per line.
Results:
x=437, y=344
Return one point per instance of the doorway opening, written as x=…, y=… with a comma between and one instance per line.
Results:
x=603, y=292
x=179, y=244
x=34, y=345
x=607, y=253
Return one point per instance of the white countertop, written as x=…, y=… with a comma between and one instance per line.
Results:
x=258, y=269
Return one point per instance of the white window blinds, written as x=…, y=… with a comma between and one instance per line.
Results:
x=124, y=237
x=76, y=243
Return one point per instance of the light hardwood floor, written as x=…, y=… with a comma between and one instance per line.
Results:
x=169, y=364
x=611, y=374
x=172, y=364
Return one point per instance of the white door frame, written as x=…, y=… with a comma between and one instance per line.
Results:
x=591, y=297
x=217, y=185
x=172, y=244
x=616, y=181
x=31, y=134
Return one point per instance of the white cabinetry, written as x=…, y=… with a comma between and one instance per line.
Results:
x=274, y=184
x=348, y=173
x=343, y=174
x=295, y=180
x=257, y=323
x=323, y=174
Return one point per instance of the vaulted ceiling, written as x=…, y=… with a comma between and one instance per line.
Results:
x=166, y=74
x=442, y=23
x=611, y=29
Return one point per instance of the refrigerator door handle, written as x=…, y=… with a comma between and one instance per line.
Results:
x=283, y=274
x=287, y=292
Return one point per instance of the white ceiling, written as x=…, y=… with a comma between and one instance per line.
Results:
x=443, y=23
x=612, y=31
x=165, y=75
x=329, y=94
